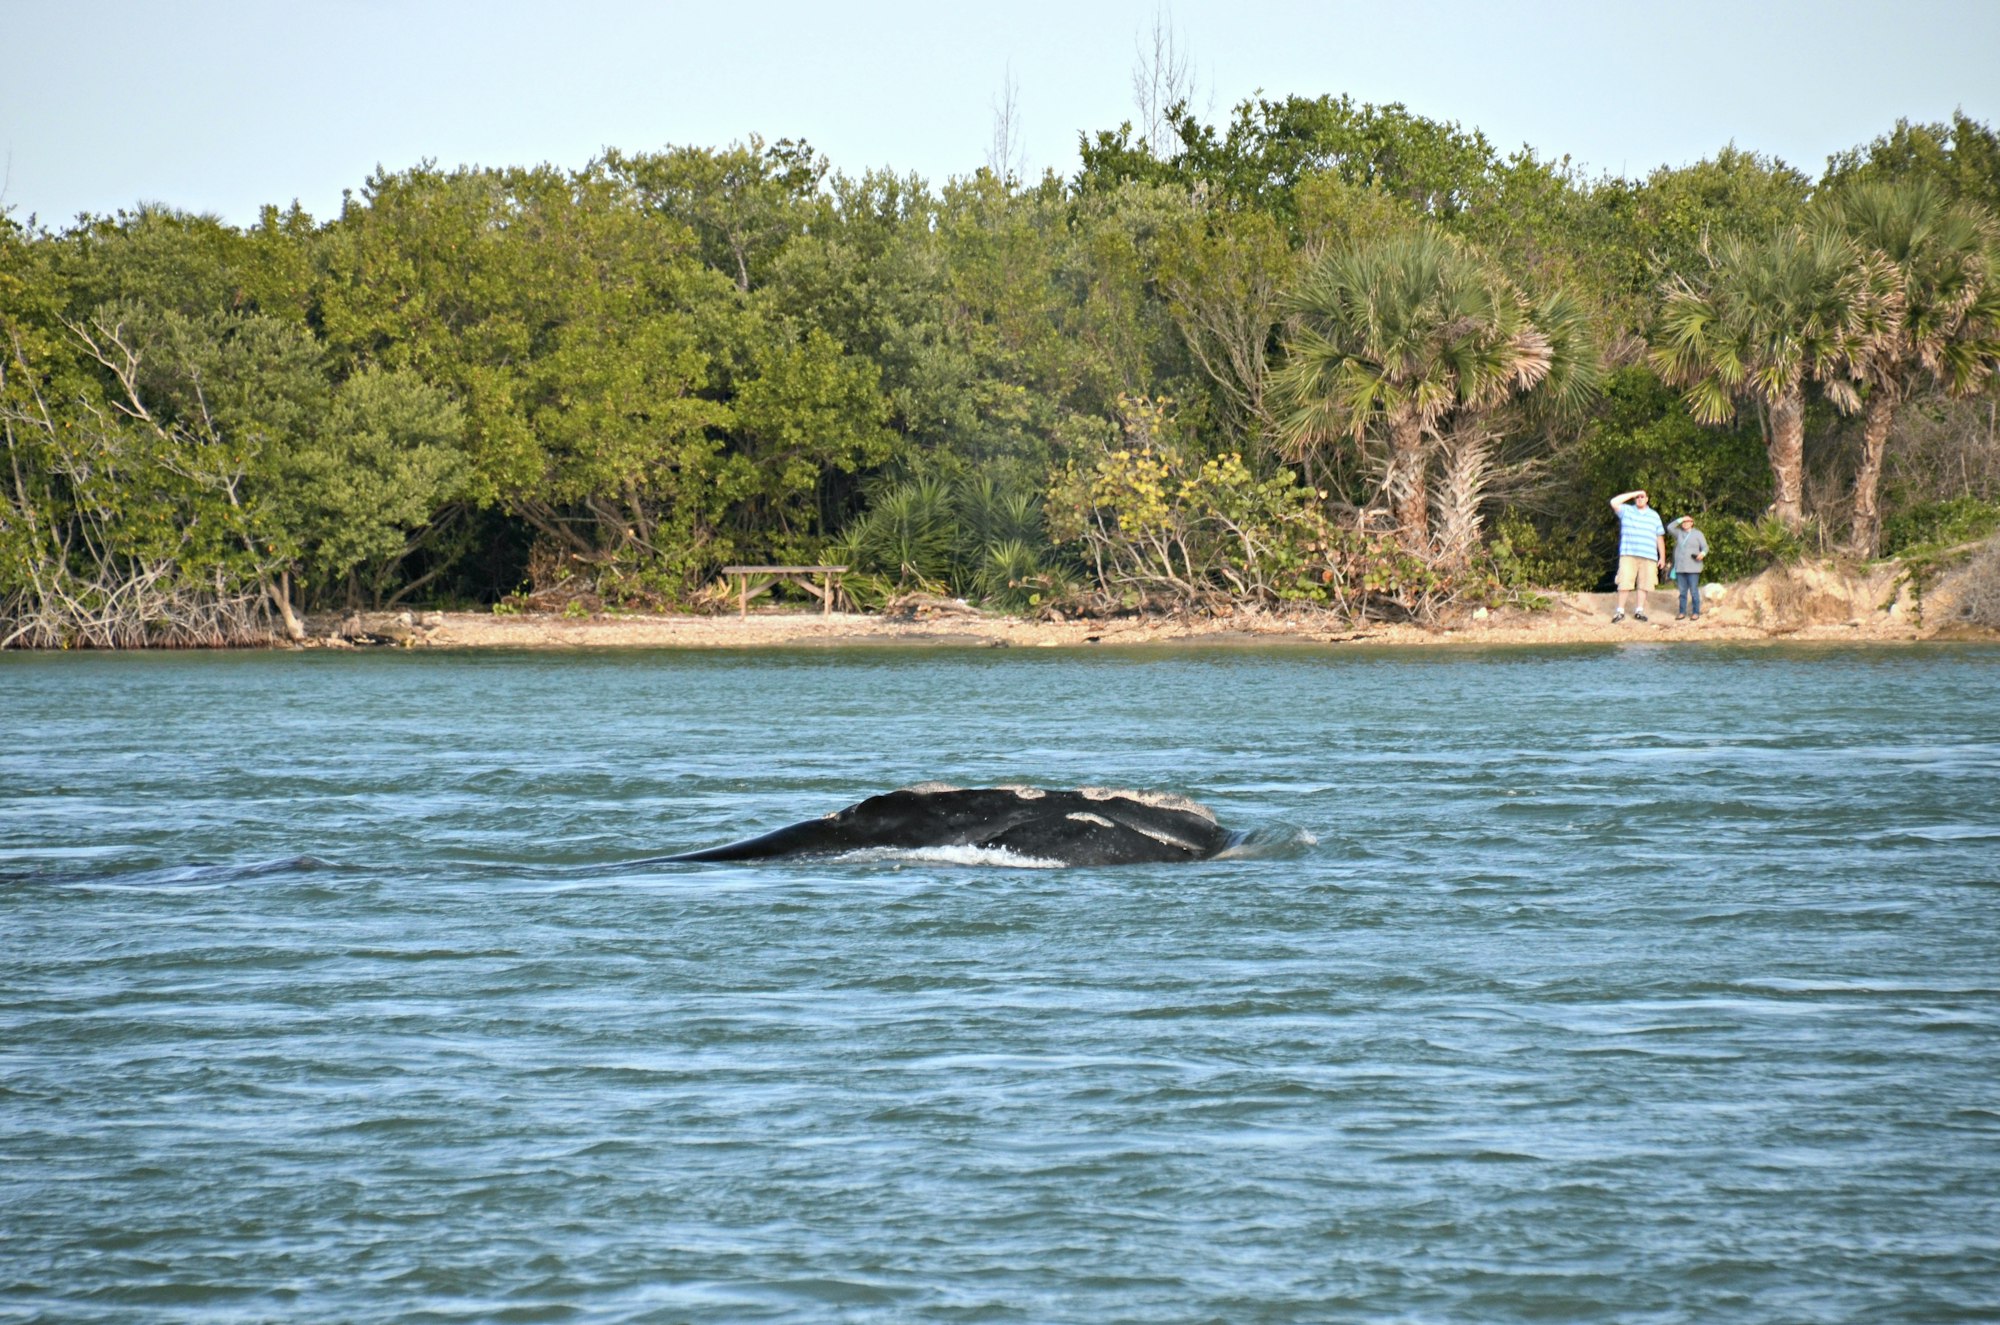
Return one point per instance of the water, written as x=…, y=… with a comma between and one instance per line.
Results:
x=1634, y=983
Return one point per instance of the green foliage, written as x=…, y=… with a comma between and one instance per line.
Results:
x=1637, y=436
x=1962, y=157
x=1640, y=437
x=1550, y=228
x=1937, y=320
x=990, y=515
x=1157, y=525
x=124, y=526
x=803, y=408
x=1766, y=317
x=970, y=537
x=571, y=329
x=1407, y=330
x=908, y=535
x=1738, y=548
x=1939, y=524
x=744, y=201
x=1679, y=214
x=1268, y=148
x=1414, y=341
x=595, y=386
x=1154, y=524
x=361, y=491
x=158, y=258
x=1527, y=556
x=1017, y=575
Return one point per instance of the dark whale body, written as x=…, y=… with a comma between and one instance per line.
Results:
x=1089, y=826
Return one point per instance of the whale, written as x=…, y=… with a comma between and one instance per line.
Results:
x=1087, y=826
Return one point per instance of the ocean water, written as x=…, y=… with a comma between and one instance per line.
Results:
x=1623, y=983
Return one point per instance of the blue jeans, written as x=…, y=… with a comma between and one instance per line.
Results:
x=1690, y=583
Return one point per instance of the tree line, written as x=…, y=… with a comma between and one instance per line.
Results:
x=1320, y=351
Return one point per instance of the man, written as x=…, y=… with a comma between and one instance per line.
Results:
x=1642, y=549
x=1690, y=552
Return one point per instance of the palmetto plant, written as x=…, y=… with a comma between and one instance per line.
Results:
x=971, y=537
x=908, y=534
x=1014, y=574
x=1409, y=341
x=1767, y=317
x=990, y=516
x=1941, y=257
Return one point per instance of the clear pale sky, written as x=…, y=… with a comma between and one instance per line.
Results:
x=222, y=106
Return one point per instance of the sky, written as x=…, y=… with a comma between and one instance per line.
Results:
x=223, y=106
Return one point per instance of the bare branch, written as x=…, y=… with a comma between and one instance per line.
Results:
x=1006, y=156
x=1162, y=79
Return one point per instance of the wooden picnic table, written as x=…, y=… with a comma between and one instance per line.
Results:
x=826, y=590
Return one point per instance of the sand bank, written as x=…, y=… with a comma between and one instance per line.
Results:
x=1805, y=604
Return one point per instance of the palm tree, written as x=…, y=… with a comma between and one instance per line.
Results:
x=1417, y=338
x=1766, y=318
x=1942, y=257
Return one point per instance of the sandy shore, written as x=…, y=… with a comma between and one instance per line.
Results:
x=1796, y=608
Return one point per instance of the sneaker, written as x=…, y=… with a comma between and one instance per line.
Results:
x=1638, y=616
x=1616, y=617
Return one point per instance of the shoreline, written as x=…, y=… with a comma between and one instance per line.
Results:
x=1741, y=616
x=1809, y=604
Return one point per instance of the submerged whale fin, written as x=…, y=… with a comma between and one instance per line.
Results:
x=1089, y=826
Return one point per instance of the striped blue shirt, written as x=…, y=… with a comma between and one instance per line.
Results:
x=1637, y=532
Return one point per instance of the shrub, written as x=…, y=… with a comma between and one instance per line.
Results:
x=1015, y=576
x=1156, y=525
x=1527, y=557
x=1740, y=548
x=1976, y=589
x=973, y=538
x=1939, y=524
x=1159, y=528
x=907, y=535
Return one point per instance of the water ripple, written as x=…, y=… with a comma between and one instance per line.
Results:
x=1507, y=1014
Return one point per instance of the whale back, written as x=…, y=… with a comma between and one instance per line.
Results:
x=1088, y=826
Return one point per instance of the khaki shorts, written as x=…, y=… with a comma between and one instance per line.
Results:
x=1637, y=573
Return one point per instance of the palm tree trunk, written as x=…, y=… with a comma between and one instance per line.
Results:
x=1786, y=447
x=1461, y=487
x=1867, y=535
x=1409, y=490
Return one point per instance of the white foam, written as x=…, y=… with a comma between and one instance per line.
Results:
x=990, y=857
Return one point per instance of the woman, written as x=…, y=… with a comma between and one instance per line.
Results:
x=1690, y=551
